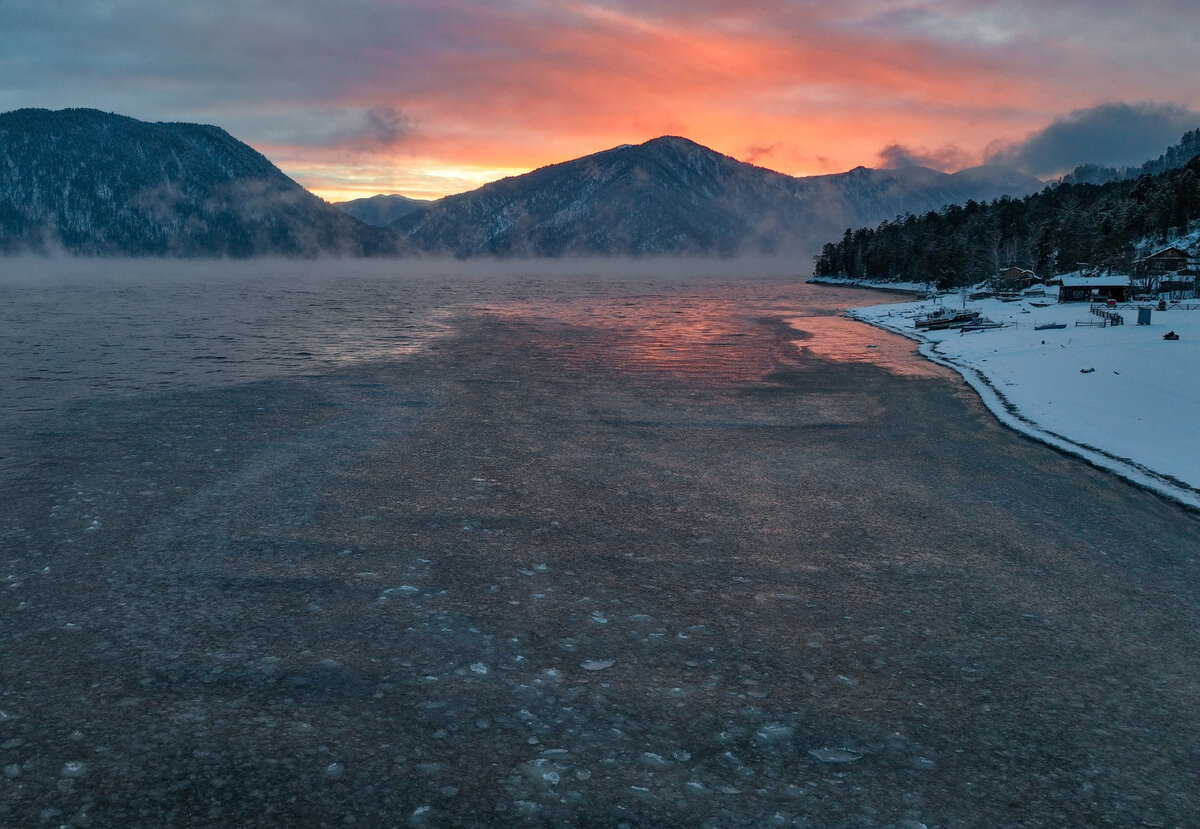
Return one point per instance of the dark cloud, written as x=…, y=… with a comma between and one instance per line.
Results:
x=948, y=157
x=1111, y=135
x=383, y=128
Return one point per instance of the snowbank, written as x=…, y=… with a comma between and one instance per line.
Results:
x=1120, y=396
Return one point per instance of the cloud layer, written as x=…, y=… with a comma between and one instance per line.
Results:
x=1111, y=135
x=428, y=96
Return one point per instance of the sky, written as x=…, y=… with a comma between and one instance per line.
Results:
x=359, y=97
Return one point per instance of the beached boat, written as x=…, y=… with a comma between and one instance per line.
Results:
x=981, y=324
x=946, y=318
x=1046, y=326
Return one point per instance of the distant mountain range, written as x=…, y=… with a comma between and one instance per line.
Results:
x=382, y=210
x=92, y=183
x=673, y=196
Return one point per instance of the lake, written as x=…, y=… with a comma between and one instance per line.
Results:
x=321, y=544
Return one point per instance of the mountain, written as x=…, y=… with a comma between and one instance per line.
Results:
x=673, y=196
x=382, y=210
x=94, y=183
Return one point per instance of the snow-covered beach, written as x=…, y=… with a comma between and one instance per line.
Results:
x=1119, y=396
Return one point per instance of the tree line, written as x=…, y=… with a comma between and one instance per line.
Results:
x=1064, y=227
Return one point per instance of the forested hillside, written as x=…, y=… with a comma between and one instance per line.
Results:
x=1051, y=232
x=97, y=184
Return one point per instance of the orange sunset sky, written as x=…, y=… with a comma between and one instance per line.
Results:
x=430, y=98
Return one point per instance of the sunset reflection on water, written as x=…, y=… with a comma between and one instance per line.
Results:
x=721, y=332
x=845, y=340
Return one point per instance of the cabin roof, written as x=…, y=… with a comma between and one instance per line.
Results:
x=1114, y=281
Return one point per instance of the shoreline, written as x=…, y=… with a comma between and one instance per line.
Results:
x=912, y=288
x=1008, y=408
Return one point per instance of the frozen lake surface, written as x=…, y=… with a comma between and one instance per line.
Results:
x=332, y=549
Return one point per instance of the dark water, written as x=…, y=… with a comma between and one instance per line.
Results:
x=525, y=551
x=82, y=337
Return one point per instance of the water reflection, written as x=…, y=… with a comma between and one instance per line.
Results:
x=844, y=340
x=723, y=332
x=66, y=341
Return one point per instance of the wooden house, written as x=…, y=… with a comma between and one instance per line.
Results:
x=1167, y=260
x=1076, y=288
x=1015, y=279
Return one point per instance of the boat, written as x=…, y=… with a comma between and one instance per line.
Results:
x=1009, y=297
x=946, y=318
x=981, y=324
x=1046, y=326
x=1041, y=304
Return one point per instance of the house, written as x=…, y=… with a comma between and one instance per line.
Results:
x=1015, y=279
x=1169, y=271
x=1167, y=260
x=1179, y=286
x=1076, y=288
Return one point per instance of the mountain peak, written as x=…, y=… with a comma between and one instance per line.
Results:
x=671, y=195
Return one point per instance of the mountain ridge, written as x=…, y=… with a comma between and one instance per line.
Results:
x=96, y=183
x=671, y=195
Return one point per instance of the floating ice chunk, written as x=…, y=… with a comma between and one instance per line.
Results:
x=479, y=668
x=402, y=590
x=543, y=771
x=420, y=816
x=334, y=771
x=835, y=755
x=598, y=664
x=655, y=761
x=74, y=768
x=774, y=733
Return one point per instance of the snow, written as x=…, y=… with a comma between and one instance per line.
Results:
x=1121, y=397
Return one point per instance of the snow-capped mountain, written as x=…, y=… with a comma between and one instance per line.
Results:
x=94, y=183
x=672, y=196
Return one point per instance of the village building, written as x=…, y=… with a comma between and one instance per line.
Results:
x=1075, y=288
x=1015, y=279
x=1171, y=270
x=1168, y=260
